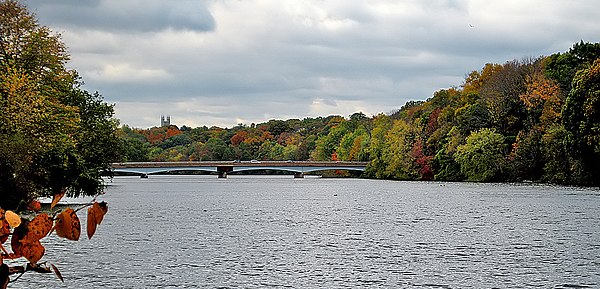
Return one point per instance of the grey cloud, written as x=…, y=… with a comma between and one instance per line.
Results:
x=124, y=16
x=280, y=68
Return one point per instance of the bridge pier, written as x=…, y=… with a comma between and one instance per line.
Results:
x=223, y=170
x=144, y=176
x=298, y=175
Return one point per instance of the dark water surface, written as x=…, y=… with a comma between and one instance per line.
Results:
x=274, y=232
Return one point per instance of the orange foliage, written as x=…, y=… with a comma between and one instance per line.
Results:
x=68, y=225
x=539, y=90
x=26, y=235
x=172, y=131
x=432, y=123
x=239, y=137
x=356, y=148
x=95, y=216
x=38, y=228
x=267, y=136
x=34, y=206
x=334, y=156
x=56, y=198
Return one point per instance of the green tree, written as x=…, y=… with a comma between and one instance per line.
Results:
x=581, y=117
x=445, y=166
x=562, y=67
x=353, y=145
x=397, y=152
x=557, y=163
x=472, y=118
x=482, y=158
x=526, y=159
x=377, y=162
x=328, y=144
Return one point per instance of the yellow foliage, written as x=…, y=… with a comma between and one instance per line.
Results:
x=12, y=219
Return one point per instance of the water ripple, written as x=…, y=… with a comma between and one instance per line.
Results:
x=199, y=232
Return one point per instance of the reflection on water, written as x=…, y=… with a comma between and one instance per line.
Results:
x=257, y=232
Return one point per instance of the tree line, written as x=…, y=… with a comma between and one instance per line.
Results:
x=534, y=119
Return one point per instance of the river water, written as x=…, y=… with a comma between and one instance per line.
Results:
x=280, y=232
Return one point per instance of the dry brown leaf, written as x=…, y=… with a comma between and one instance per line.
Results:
x=101, y=210
x=91, y=222
x=57, y=273
x=68, y=225
x=4, y=229
x=95, y=216
x=15, y=242
x=12, y=218
x=33, y=251
x=57, y=198
x=38, y=228
x=34, y=205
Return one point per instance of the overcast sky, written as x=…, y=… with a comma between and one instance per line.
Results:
x=224, y=62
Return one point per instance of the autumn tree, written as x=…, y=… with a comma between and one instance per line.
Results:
x=69, y=134
x=55, y=137
x=500, y=96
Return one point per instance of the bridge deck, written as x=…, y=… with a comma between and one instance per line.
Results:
x=239, y=164
x=223, y=167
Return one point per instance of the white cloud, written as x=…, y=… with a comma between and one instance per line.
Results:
x=127, y=73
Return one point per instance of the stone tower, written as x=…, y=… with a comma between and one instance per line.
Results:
x=165, y=121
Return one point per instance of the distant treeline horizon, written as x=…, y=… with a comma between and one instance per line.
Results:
x=535, y=119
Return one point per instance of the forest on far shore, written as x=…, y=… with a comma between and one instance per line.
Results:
x=534, y=119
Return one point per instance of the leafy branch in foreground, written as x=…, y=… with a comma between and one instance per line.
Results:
x=26, y=235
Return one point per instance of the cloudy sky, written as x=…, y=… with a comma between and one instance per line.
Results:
x=224, y=62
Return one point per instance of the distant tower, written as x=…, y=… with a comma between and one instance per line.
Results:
x=165, y=121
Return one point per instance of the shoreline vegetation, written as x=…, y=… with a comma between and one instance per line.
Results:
x=529, y=120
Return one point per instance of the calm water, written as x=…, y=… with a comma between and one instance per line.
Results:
x=276, y=232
